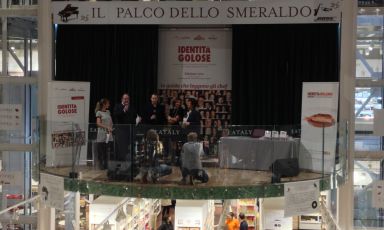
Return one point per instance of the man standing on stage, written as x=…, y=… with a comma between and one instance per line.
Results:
x=154, y=113
x=125, y=118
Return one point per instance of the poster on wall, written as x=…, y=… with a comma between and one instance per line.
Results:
x=67, y=122
x=318, y=125
x=198, y=62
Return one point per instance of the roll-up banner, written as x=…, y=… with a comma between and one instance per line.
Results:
x=197, y=12
x=318, y=125
x=67, y=123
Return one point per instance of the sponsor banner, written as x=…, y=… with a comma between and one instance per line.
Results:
x=195, y=59
x=191, y=12
x=67, y=122
x=11, y=117
x=318, y=125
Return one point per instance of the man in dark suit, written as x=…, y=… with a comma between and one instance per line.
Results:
x=154, y=113
x=125, y=119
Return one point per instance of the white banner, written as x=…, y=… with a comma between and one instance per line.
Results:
x=318, y=125
x=197, y=12
x=301, y=198
x=195, y=59
x=11, y=178
x=68, y=109
x=51, y=190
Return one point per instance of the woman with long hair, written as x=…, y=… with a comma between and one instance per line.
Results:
x=104, y=132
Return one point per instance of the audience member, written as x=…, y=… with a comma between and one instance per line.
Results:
x=190, y=160
x=150, y=167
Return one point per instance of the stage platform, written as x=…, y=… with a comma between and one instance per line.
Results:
x=223, y=183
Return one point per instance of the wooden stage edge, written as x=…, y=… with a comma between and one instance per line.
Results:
x=217, y=176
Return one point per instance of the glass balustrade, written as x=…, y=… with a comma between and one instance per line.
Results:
x=227, y=161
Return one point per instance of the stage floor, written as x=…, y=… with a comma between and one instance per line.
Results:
x=217, y=176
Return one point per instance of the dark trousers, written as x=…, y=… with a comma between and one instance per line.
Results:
x=103, y=149
x=198, y=174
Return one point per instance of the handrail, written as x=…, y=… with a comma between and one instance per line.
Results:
x=110, y=214
x=18, y=204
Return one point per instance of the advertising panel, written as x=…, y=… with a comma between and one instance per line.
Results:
x=67, y=123
x=318, y=125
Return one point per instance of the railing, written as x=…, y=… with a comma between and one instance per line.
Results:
x=228, y=159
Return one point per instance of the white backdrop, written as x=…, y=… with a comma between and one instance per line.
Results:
x=195, y=59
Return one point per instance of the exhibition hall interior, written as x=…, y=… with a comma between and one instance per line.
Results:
x=191, y=115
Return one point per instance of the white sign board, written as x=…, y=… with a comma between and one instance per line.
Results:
x=51, y=190
x=11, y=178
x=301, y=198
x=200, y=12
x=11, y=117
x=378, y=194
x=67, y=122
x=275, y=220
x=195, y=59
x=318, y=125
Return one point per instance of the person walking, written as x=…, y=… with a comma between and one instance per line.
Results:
x=243, y=222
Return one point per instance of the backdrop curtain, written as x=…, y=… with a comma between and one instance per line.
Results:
x=114, y=58
x=270, y=63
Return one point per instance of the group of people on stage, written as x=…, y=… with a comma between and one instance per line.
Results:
x=124, y=115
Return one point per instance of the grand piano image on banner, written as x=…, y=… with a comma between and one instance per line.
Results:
x=67, y=12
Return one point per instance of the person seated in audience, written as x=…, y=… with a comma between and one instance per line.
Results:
x=190, y=160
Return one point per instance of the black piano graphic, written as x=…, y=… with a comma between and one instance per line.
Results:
x=68, y=11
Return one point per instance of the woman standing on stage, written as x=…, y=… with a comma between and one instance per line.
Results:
x=104, y=132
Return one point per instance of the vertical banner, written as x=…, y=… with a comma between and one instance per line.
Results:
x=318, y=125
x=198, y=62
x=67, y=123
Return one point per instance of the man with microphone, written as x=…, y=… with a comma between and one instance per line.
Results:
x=125, y=118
